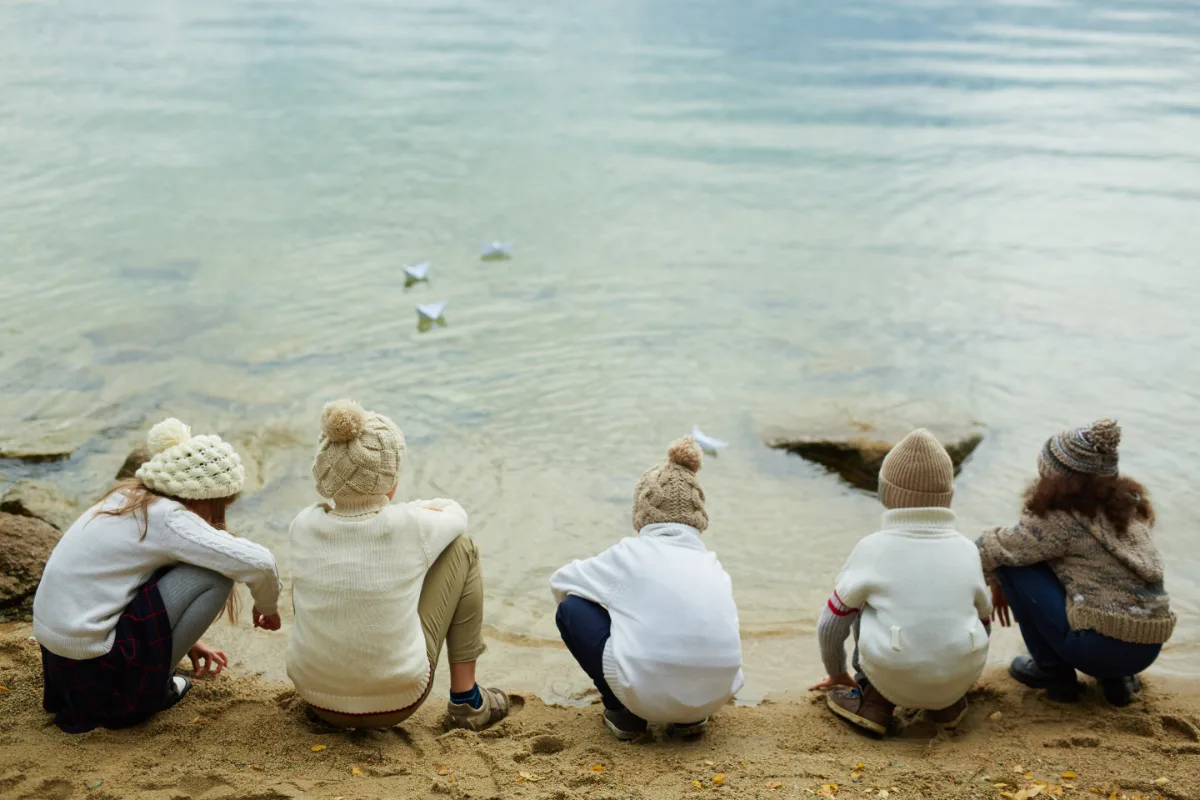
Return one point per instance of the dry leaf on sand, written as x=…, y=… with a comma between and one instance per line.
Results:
x=719, y=779
x=316, y=748
x=773, y=785
x=356, y=772
x=528, y=776
x=597, y=768
x=443, y=770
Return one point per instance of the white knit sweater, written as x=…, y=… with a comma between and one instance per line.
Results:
x=675, y=653
x=923, y=599
x=99, y=563
x=357, y=646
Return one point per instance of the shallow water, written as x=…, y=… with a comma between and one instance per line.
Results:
x=723, y=213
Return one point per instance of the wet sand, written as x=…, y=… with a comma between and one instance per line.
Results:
x=248, y=738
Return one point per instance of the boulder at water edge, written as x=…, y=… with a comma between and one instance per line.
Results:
x=40, y=500
x=853, y=443
x=25, y=544
x=139, y=456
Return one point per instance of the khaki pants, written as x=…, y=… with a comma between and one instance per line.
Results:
x=451, y=611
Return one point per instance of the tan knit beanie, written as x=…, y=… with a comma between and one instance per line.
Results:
x=917, y=473
x=670, y=491
x=360, y=454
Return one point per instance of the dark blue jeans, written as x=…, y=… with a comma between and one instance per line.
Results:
x=1039, y=604
x=585, y=627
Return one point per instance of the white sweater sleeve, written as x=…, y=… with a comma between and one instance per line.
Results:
x=194, y=541
x=592, y=579
x=441, y=522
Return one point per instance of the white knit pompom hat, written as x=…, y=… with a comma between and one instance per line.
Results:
x=190, y=467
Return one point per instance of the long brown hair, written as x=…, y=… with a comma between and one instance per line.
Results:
x=1117, y=498
x=138, y=499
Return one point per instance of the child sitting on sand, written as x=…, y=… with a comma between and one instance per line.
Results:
x=132, y=586
x=652, y=619
x=377, y=588
x=915, y=597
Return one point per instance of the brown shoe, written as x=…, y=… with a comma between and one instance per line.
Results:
x=949, y=718
x=494, y=709
x=866, y=708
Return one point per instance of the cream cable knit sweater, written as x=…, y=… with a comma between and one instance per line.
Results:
x=357, y=646
x=99, y=563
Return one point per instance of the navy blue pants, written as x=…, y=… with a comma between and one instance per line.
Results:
x=586, y=627
x=1039, y=604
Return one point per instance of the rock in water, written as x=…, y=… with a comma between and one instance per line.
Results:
x=853, y=444
x=25, y=544
x=139, y=456
x=40, y=500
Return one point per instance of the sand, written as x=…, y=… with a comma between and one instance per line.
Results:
x=247, y=738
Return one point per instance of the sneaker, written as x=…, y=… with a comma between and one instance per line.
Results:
x=1061, y=686
x=624, y=724
x=1120, y=691
x=949, y=718
x=463, y=715
x=866, y=708
x=177, y=688
x=690, y=728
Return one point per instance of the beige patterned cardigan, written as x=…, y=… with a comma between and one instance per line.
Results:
x=1114, y=583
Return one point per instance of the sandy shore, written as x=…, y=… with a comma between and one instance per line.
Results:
x=245, y=738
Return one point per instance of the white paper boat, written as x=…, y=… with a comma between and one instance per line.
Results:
x=431, y=311
x=417, y=272
x=495, y=251
x=707, y=443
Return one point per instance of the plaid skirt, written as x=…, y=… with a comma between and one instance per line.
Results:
x=123, y=687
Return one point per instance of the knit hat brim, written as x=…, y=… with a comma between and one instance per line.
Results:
x=893, y=496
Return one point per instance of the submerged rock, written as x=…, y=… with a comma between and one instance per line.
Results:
x=853, y=443
x=40, y=500
x=25, y=544
x=35, y=453
x=858, y=459
x=139, y=456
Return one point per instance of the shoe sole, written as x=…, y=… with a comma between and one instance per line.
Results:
x=850, y=716
x=690, y=730
x=952, y=724
x=1055, y=690
x=623, y=735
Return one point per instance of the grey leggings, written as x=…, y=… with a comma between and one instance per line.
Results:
x=194, y=598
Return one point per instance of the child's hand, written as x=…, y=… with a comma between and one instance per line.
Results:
x=1000, y=610
x=833, y=681
x=268, y=622
x=206, y=661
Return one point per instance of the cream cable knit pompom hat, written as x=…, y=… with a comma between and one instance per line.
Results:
x=360, y=453
x=670, y=491
x=190, y=467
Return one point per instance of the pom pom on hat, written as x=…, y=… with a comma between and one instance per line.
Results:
x=343, y=421
x=686, y=453
x=1105, y=435
x=167, y=434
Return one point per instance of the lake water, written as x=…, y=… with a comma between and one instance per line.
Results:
x=724, y=213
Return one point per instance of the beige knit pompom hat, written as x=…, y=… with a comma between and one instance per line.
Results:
x=917, y=473
x=360, y=454
x=190, y=467
x=670, y=491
